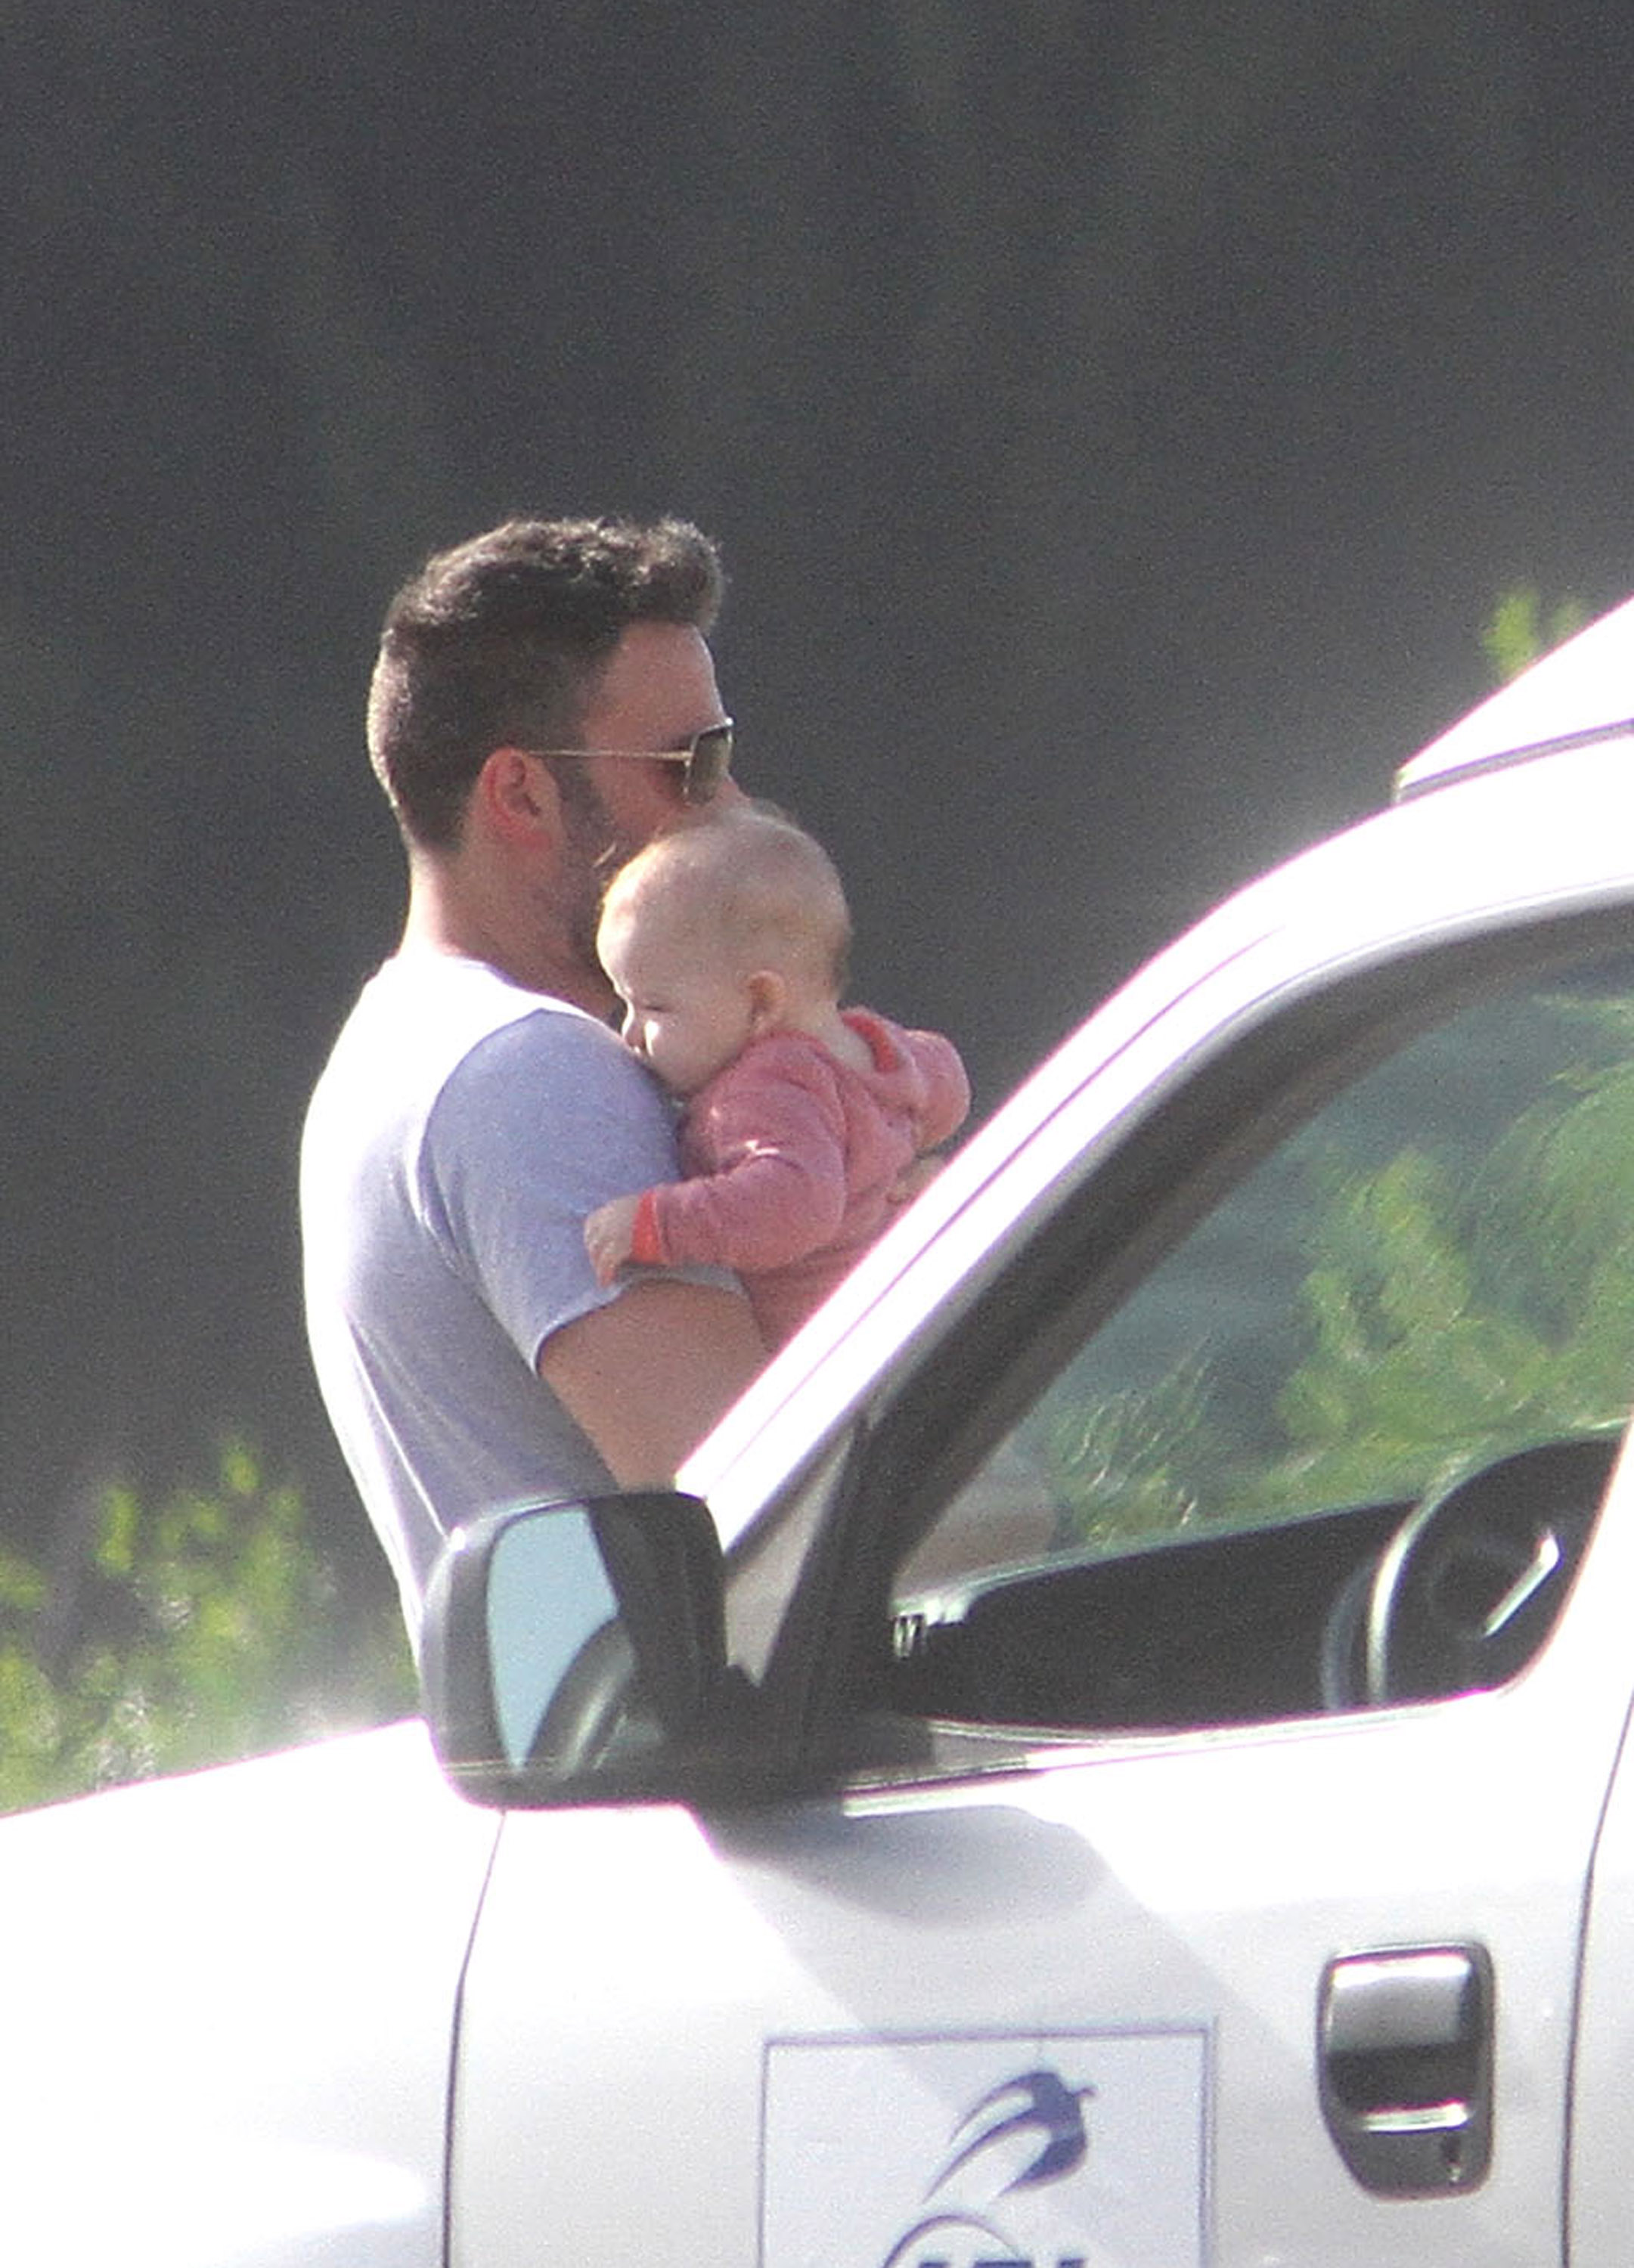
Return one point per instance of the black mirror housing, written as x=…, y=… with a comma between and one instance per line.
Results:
x=574, y=1651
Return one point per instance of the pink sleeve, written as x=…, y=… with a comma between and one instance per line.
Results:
x=947, y=1084
x=766, y=1146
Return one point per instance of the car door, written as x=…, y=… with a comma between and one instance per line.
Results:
x=1199, y=1683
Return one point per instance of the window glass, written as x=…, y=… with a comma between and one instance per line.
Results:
x=1434, y=1270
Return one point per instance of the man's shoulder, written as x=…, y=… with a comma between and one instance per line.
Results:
x=436, y=997
x=534, y=1043
x=422, y=1016
x=433, y=1042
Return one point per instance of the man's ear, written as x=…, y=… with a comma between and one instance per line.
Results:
x=516, y=795
x=769, y=998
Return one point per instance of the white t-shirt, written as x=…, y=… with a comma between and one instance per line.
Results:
x=461, y=1132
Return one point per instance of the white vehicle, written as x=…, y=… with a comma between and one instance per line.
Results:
x=1114, y=1762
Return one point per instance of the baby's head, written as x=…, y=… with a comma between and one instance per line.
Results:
x=718, y=933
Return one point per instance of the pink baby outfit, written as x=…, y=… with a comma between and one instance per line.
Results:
x=795, y=1159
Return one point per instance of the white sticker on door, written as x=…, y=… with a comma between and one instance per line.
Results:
x=1025, y=2150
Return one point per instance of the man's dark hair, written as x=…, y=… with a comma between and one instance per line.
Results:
x=499, y=642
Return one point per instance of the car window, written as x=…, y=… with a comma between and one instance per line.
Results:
x=1430, y=1278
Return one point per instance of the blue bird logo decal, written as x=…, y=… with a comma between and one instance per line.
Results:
x=1043, y=2103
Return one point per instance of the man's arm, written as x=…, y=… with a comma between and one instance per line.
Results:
x=647, y=1375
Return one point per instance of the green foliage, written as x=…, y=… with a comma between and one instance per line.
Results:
x=189, y=1632
x=1134, y=1464
x=1445, y=1309
x=1408, y=1360
x=1518, y=631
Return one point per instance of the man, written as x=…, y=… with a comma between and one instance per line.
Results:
x=543, y=704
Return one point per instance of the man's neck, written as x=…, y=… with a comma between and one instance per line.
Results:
x=438, y=921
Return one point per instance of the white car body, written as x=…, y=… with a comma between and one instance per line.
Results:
x=1048, y=1997
x=231, y=1994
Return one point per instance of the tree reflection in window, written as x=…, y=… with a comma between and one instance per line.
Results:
x=1437, y=1268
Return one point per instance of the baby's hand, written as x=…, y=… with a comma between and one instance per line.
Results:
x=915, y=1176
x=609, y=1233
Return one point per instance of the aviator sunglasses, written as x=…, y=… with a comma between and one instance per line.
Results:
x=705, y=761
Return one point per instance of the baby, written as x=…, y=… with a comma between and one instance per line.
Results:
x=727, y=944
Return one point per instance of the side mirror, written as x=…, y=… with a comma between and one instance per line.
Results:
x=576, y=1653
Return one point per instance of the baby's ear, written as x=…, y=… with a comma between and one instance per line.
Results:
x=769, y=998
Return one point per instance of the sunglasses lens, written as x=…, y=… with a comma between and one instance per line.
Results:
x=711, y=761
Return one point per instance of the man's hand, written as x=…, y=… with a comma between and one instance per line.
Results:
x=609, y=1233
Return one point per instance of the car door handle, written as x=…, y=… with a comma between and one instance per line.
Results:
x=1404, y=2066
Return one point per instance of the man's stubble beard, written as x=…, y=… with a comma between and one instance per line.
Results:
x=596, y=847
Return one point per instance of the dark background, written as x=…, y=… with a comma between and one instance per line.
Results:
x=1119, y=420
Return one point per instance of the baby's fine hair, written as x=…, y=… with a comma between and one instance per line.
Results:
x=767, y=890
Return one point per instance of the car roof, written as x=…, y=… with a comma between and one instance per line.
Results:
x=1584, y=690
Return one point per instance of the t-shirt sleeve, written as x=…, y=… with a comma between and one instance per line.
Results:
x=541, y=1123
